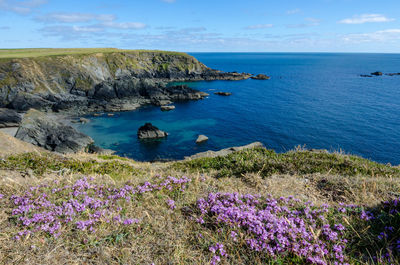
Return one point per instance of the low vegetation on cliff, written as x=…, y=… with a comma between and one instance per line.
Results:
x=249, y=207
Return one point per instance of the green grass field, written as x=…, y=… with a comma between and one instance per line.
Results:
x=39, y=52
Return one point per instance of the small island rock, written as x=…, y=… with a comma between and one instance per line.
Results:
x=223, y=93
x=149, y=131
x=167, y=108
x=260, y=77
x=377, y=73
x=84, y=120
x=201, y=139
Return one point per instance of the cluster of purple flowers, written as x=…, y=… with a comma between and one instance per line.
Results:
x=83, y=205
x=218, y=251
x=384, y=222
x=275, y=227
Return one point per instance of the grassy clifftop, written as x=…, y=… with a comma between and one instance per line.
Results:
x=57, y=70
x=250, y=207
x=40, y=52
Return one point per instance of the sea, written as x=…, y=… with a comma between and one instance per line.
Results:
x=313, y=100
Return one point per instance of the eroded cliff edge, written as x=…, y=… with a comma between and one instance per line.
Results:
x=105, y=81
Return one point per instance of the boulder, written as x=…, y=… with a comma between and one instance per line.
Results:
x=223, y=93
x=377, y=73
x=149, y=131
x=167, y=108
x=9, y=118
x=84, y=120
x=260, y=77
x=201, y=139
x=224, y=152
x=94, y=149
x=49, y=133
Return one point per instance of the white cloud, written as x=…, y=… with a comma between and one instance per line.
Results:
x=74, y=17
x=310, y=22
x=260, y=26
x=124, y=25
x=88, y=29
x=169, y=1
x=21, y=7
x=102, y=21
x=377, y=36
x=366, y=18
x=293, y=11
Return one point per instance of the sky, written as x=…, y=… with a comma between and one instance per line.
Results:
x=205, y=25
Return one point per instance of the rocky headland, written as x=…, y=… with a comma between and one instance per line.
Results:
x=113, y=81
x=88, y=82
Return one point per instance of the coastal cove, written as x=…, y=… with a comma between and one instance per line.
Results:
x=316, y=100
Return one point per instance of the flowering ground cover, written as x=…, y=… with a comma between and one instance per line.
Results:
x=144, y=217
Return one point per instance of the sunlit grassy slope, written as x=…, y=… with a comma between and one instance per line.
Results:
x=39, y=52
x=90, y=209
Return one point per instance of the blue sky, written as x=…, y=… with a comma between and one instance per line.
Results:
x=192, y=26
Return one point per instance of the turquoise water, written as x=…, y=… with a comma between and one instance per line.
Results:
x=316, y=100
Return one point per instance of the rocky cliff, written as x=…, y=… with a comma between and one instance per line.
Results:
x=110, y=81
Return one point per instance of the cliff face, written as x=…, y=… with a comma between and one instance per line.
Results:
x=101, y=81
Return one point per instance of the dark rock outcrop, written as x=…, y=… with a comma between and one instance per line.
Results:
x=225, y=151
x=377, y=73
x=223, y=93
x=9, y=118
x=44, y=131
x=94, y=149
x=260, y=77
x=149, y=131
x=393, y=74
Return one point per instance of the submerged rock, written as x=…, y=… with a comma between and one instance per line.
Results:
x=149, y=131
x=393, y=74
x=366, y=75
x=9, y=118
x=260, y=77
x=201, y=139
x=45, y=131
x=223, y=93
x=225, y=151
x=167, y=108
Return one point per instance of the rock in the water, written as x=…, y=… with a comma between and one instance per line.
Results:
x=45, y=131
x=9, y=118
x=110, y=114
x=377, y=73
x=84, y=120
x=201, y=139
x=167, y=108
x=260, y=77
x=393, y=74
x=149, y=131
x=224, y=152
x=366, y=75
x=223, y=93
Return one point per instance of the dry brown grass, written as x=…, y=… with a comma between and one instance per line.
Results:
x=165, y=236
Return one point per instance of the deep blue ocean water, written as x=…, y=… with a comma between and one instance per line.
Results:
x=316, y=100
